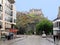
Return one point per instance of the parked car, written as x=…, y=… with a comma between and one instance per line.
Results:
x=44, y=35
x=9, y=35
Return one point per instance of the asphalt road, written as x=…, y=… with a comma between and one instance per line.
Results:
x=33, y=40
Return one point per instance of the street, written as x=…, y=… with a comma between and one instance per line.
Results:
x=33, y=40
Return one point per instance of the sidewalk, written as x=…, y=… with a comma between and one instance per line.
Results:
x=9, y=42
x=52, y=40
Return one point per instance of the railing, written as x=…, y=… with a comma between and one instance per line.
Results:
x=56, y=28
x=9, y=20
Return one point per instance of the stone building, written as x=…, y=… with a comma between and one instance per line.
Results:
x=37, y=12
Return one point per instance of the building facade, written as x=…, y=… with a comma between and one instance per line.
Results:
x=7, y=14
x=36, y=12
x=56, y=24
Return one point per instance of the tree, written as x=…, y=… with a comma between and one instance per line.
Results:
x=44, y=25
x=23, y=20
x=27, y=20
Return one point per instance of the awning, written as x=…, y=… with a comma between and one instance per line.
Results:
x=13, y=30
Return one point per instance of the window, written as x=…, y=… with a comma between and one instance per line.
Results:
x=55, y=24
x=59, y=24
x=1, y=16
x=8, y=11
x=8, y=5
x=14, y=20
x=11, y=13
x=0, y=7
x=11, y=7
x=0, y=25
x=8, y=19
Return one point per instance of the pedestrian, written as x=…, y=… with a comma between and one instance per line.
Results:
x=54, y=37
x=7, y=35
x=56, y=41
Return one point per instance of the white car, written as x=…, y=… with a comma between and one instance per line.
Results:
x=44, y=35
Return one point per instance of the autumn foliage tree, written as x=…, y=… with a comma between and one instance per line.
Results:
x=25, y=19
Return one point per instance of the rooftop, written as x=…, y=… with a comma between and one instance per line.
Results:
x=11, y=1
x=58, y=16
x=35, y=10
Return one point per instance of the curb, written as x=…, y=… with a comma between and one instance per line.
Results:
x=15, y=40
x=49, y=39
x=10, y=42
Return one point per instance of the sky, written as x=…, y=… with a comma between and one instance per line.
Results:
x=49, y=7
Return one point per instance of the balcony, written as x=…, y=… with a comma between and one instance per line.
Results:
x=9, y=20
x=10, y=13
x=56, y=28
x=7, y=26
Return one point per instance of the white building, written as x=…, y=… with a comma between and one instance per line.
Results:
x=7, y=14
x=56, y=24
